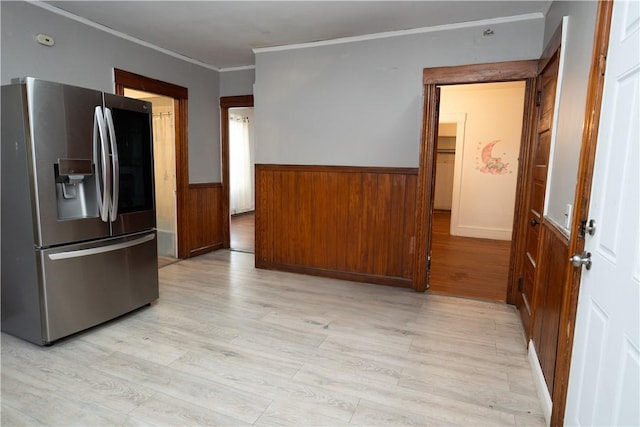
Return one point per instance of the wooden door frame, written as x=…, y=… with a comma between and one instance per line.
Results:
x=227, y=102
x=124, y=79
x=569, y=303
x=467, y=74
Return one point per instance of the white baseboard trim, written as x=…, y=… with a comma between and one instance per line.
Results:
x=541, y=384
x=480, y=232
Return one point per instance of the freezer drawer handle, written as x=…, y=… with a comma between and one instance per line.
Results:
x=102, y=249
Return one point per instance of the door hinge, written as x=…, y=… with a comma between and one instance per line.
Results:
x=519, y=284
x=602, y=64
x=538, y=98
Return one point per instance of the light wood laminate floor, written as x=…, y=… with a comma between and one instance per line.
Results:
x=163, y=261
x=227, y=344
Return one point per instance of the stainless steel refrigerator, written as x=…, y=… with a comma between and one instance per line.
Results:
x=78, y=215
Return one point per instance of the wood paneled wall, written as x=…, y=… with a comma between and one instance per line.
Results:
x=353, y=223
x=551, y=274
x=204, y=218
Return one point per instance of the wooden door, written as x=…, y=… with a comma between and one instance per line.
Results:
x=537, y=182
x=426, y=186
x=604, y=382
x=432, y=191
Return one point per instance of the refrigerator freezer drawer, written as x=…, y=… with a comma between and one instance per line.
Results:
x=90, y=283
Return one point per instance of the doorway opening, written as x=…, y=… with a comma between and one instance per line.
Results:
x=243, y=221
x=164, y=168
x=433, y=80
x=477, y=152
x=241, y=179
x=172, y=101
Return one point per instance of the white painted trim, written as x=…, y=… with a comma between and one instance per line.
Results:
x=541, y=385
x=241, y=68
x=388, y=34
x=480, y=232
x=460, y=119
x=113, y=32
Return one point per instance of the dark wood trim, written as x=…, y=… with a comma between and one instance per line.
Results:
x=477, y=73
x=550, y=50
x=520, y=224
x=147, y=84
x=341, y=169
x=197, y=185
x=227, y=102
x=236, y=101
x=205, y=249
x=124, y=79
x=425, y=187
x=480, y=73
x=581, y=202
x=336, y=274
x=182, y=176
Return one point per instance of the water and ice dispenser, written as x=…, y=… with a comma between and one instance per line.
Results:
x=76, y=190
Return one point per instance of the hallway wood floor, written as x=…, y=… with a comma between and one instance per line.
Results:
x=461, y=266
x=467, y=267
x=227, y=344
x=243, y=231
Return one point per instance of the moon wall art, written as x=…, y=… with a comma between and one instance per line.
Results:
x=488, y=163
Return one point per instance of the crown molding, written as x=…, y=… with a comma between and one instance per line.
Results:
x=399, y=33
x=240, y=68
x=119, y=34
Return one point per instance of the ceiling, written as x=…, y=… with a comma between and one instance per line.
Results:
x=222, y=34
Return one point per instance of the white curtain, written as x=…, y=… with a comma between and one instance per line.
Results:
x=240, y=188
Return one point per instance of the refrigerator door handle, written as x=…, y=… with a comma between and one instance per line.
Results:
x=104, y=190
x=102, y=249
x=115, y=164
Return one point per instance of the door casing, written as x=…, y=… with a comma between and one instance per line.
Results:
x=124, y=79
x=227, y=102
x=466, y=74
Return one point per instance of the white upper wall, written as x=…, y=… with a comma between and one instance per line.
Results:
x=86, y=56
x=237, y=82
x=360, y=103
x=577, y=61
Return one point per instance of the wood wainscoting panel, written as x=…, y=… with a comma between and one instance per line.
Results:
x=551, y=272
x=352, y=223
x=204, y=218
